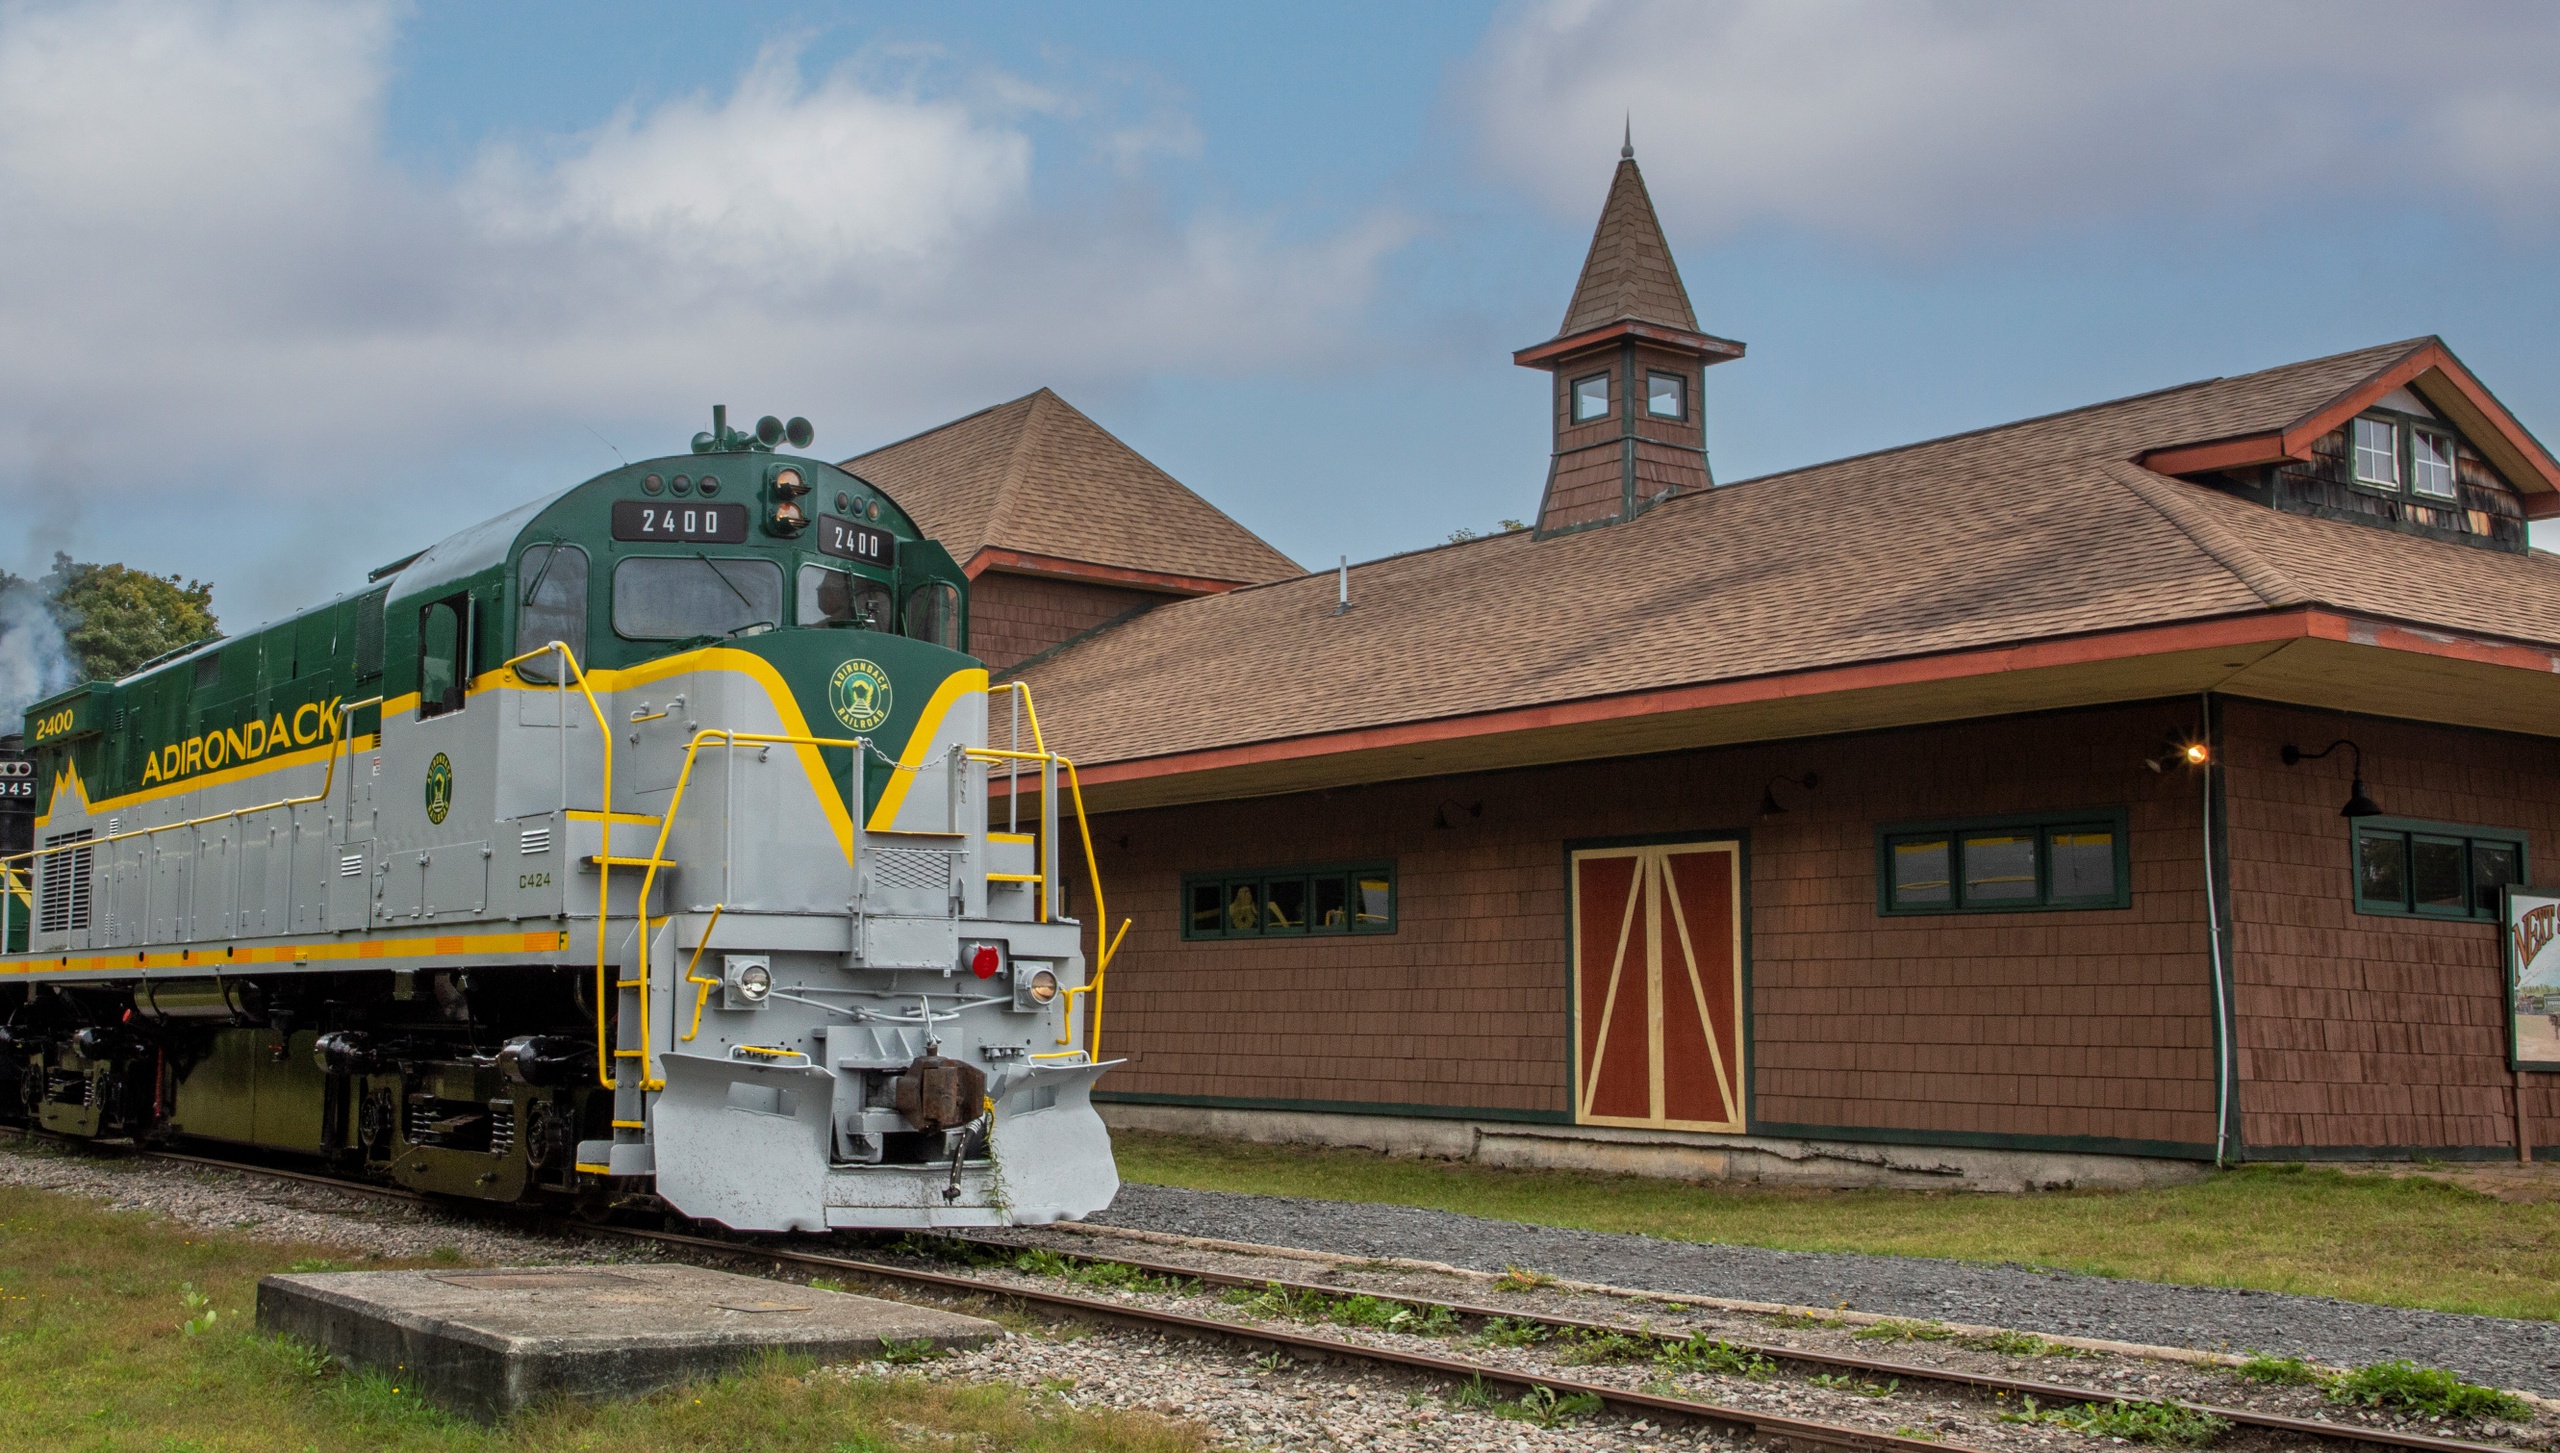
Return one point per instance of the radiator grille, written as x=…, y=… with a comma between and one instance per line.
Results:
x=911, y=868
x=64, y=905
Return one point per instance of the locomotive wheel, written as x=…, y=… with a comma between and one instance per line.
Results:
x=374, y=1126
x=31, y=1092
x=544, y=1138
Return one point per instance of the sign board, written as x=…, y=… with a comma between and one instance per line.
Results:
x=2533, y=978
x=17, y=784
x=63, y=718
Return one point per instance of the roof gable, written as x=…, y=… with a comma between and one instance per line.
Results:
x=1035, y=485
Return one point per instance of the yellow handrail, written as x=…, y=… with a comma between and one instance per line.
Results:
x=702, y=996
x=328, y=784
x=604, y=855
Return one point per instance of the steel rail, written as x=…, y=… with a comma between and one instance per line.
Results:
x=1098, y=1309
x=1990, y=1382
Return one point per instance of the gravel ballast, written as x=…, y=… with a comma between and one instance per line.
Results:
x=2500, y=1351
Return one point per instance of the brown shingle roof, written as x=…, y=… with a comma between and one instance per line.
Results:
x=2032, y=530
x=1039, y=477
x=1628, y=273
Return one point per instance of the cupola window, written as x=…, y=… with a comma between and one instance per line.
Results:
x=1666, y=395
x=1591, y=398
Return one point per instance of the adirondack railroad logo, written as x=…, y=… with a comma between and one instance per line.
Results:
x=859, y=692
x=439, y=788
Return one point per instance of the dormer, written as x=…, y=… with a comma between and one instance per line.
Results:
x=2418, y=447
x=1629, y=362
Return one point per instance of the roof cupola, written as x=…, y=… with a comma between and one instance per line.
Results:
x=1630, y=421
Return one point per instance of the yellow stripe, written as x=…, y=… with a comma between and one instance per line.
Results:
x=954, y=686
x=372, y=948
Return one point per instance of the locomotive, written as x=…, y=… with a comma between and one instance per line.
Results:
x=634, y=848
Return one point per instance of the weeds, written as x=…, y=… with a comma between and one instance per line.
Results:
x=826, y=1284
x=1590, y=1348
x=1512, y=1332
x=1895, y=1330
x=1703, y=1353
x=2164, y=1425
x=1522, y=1279
x=2017, y=1344
x=2404, y=1385
x=907, y=1353
x=1843, y=1382
x=1117, y=1276
x=1269, y=1362
x=200, y=1313
x=1541, y=1404
x=1357, y=1309
x=2280, y=1371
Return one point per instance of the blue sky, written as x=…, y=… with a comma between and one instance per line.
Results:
x=330, y=281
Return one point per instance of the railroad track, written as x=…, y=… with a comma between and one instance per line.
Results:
x=1145, y=1318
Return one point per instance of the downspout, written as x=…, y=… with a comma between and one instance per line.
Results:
x=2222, y=1047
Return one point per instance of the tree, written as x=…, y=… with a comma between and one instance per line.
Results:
x=115, y=617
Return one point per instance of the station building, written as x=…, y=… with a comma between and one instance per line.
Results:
x=2080, y=800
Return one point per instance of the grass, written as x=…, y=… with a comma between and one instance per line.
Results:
x=2406, y=1241
x=2160, y=1424
x=96, y=1353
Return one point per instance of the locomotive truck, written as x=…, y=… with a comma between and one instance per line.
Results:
x=633, y=848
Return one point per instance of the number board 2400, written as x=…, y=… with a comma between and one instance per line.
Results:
x=683, y=524
x=851, y=541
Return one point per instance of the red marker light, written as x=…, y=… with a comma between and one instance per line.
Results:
x=984, y=961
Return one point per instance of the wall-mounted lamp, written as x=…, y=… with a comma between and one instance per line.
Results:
x=2176, y=750
x=1440, y=816
x=2358, y=805
x=1769, y=804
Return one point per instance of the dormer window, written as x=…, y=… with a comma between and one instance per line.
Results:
x=1666, y=395
x=1591, y=398
x=2377, y=445
x=2431, y=464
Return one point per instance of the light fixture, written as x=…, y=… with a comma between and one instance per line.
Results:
x=1043, y=987
x=1769, y=804
x=2358, y=804
x=2176, y=750
x=750, y=981
x=985, y=960
x=1440, y=815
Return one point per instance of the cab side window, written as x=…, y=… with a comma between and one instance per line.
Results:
x=444, y=651
x=830, y=597
x=933, y=614
x=551, y=605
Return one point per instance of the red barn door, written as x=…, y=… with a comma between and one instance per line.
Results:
x=1657, y=986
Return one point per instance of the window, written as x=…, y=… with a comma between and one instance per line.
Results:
x=369, y=633
x=831, y=597
x=2005, y=864
x=2377, y=446
x=551, y=605
x=2433, y=869
x=933, y=614
x=686, y=597
x=1281, y=902
x=444, y=649
x=1591, y=398
x=2431, y=464
x=1666, y=395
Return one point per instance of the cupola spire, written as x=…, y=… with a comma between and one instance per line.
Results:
x=1629, y=360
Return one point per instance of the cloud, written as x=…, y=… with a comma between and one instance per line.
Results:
x=1906, y=124
x=229, y=309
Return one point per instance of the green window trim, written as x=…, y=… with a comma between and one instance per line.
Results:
x=2408, y=867
x=1313, y=900
x=2405, y=429
x=2034, y=862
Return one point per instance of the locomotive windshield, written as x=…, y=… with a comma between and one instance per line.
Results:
x=830, y=597
x=683, y=597
x=554, y=607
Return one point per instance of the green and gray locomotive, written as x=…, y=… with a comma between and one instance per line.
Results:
x=634, y=844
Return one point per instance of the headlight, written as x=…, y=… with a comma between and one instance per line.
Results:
x=749, y=982
x=755, y=981
x=1043, y=987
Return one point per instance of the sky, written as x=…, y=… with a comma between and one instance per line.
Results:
x=289, y=290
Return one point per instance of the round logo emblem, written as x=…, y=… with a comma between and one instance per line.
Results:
x=439, y=788
x=859, y=692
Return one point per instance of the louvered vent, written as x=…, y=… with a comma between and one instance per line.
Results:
x=351, y=866
x=64, y=905
x=534, y=840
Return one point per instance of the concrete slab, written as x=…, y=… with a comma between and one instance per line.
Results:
x=486, y=1343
